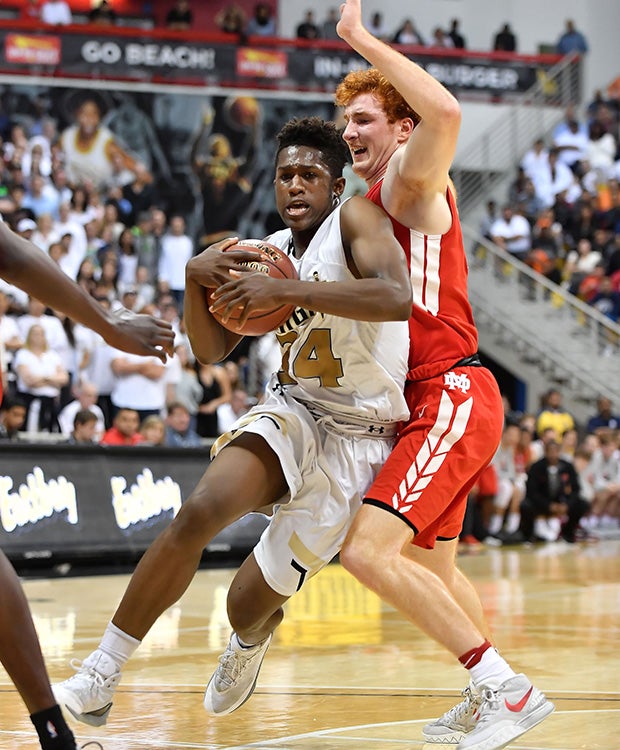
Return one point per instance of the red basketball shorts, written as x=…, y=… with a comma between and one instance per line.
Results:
x=454, y=430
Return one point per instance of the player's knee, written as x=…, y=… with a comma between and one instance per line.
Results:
x=246, y=616
x=198, y=520
x=356, y=557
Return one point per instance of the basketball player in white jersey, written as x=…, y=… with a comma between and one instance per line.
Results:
x=92, y=153
x=311, y=449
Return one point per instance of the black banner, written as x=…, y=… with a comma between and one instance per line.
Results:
x=288, y=67
x=64, y=502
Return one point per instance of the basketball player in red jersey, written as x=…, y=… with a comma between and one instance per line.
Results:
x=24, y=265
x=401, y=128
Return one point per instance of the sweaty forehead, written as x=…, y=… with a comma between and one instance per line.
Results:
x=363, y=104
x=301, y=156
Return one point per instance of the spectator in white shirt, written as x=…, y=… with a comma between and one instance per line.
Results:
x=513, y=233
x=54, y=332
x=86, y=399
x=572, y=145
x=70, y=263
x=536, y=160
x=56, y=13
x=40, y=376
x=140, y=384
x=229, y=413
x=556, y=178
x=10, y=338
x=176, y=250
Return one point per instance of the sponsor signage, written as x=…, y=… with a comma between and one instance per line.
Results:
x=64, y=502
x=286, y=67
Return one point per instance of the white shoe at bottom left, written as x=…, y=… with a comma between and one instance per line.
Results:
x=87, y=696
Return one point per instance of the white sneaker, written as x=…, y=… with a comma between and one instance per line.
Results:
x=506, y=713
x=457, y=722
x=547, y=529
x=87, y=696
x=233, y=682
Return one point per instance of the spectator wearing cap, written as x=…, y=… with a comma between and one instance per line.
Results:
x=26, y=227
x=129, y=297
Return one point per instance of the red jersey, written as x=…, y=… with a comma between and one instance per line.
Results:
x=441, y=326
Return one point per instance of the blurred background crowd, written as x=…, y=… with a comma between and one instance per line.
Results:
x=106, y=217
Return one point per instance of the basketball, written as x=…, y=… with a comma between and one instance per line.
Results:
x=274, y=263
x=242, y=112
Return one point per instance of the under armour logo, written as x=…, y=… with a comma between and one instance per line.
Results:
x=278, y=388
x=373, y=428
x=452, y=381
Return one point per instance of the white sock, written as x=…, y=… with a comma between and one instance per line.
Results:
x=512, y=522
x=491, y=671
x=117, y=644
x=495, y=523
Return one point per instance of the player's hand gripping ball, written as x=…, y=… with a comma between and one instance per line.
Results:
x=275, y=263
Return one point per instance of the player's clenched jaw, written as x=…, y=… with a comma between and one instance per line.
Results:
x=371, y=138
x=304, y=187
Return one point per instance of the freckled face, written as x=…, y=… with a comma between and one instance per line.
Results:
x=370, y=137
x=304, y=187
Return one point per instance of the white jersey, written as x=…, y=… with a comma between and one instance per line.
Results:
x=350, y=369
x=92, y=164
x=330, y=416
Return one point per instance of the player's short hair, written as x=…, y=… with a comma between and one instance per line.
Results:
x=315, y=132
x=371, y=81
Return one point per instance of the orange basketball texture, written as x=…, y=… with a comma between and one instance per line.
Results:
x=274, y=263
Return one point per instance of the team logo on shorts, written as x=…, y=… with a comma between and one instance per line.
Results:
x=449, y=427
x=453, y=381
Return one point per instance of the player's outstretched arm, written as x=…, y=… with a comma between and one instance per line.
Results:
x=425, y=161
x=23, y=264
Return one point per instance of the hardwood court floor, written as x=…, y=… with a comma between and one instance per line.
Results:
x=345, y=672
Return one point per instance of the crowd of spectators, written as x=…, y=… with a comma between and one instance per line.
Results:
x=562, y=214
x=551, y=480
x=101, y=221
x=262, y=21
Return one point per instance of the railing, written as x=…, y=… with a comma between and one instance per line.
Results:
x=492, y=159
x=544, y=322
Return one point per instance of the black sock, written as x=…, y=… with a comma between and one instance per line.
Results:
x=54, y=734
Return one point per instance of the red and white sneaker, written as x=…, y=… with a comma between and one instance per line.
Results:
x=506, y=713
